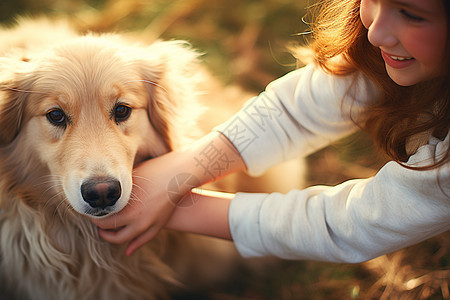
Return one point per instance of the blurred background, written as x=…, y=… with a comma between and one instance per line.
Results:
x=243, y=41
x=245, y=46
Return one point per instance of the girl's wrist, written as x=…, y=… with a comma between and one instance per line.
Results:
x=206, y=160
x=215, y=156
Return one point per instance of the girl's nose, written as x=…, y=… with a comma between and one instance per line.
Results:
x=382, y=29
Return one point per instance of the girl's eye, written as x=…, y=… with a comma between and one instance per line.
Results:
x=57, y=117
x=410, y=16
x=121, y=113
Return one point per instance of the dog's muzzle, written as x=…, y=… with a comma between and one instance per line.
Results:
x=101, y=192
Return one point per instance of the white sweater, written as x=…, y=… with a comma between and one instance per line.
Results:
x=351, y=222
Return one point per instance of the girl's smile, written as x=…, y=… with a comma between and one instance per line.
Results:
x=397, y=62
x=411, y=35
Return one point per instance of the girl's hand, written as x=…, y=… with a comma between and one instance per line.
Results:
x=163, y=183
x=148, y=210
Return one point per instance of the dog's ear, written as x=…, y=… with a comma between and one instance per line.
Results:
x=172, y=75
x=13, y=97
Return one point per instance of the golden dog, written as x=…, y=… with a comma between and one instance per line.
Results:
x=76, y=114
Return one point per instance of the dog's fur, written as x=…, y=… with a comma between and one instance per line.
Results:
x=48, y=247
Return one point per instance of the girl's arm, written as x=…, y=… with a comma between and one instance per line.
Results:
x=207, y=216
x=353, y=221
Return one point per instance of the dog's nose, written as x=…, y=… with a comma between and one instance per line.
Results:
x=101, y=192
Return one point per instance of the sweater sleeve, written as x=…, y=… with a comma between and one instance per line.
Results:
x=351, y=222
x=296, y=115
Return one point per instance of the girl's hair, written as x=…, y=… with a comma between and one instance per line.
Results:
x=401, y=113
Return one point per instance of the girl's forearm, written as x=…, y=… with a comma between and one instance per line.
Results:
x=206, y=160
x=207, y=214
x=212, y=157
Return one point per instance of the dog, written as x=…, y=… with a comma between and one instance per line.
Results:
x=77, y=113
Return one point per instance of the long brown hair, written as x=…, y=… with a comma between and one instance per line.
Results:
x=401, y=113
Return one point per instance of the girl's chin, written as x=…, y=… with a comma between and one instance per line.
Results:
x=403, y=77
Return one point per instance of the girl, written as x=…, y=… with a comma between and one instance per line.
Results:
x=381, y=65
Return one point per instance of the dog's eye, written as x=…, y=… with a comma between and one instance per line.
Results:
x=121, y=113
x=57, y=117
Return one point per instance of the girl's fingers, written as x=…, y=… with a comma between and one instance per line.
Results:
x=126, y=216
x=110, y=223
x=141, y=240
x=107, y=235
x=120, y=236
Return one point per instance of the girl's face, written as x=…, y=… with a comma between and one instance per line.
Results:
x=411, y=35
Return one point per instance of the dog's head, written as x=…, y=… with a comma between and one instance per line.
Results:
x=87, y=111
